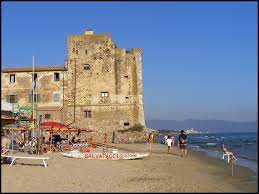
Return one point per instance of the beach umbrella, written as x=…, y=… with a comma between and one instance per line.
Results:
x=52, y=124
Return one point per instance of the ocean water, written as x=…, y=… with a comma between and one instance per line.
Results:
x=243, y=145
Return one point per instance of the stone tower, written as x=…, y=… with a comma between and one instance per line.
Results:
x=103, y=89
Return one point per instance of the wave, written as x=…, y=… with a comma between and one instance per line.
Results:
x=248, y=158
x=194, y=146
x=211, y=143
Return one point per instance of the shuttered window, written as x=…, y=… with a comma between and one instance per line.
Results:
x=56, y=97
x=88, y=114
x=36, y=98
x=12, y=78
x=56, y=77
x=11, y=98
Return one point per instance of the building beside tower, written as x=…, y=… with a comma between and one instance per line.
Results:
x=99, y=87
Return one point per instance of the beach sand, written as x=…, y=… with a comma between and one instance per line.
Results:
x=159, y=172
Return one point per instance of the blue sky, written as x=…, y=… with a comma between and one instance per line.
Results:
x=199, y=58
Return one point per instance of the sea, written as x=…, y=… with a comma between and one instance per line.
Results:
x=242, y=144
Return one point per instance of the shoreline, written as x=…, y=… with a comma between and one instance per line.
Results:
x=209, y=153
x=159, y=172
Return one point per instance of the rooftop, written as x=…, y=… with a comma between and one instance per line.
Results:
x=36, y=69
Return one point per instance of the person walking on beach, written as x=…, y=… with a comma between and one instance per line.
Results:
x=182, y=143
x=165, y=138
x=168, y=143
x=172, y=138
x=150, y=140
x=105, y=137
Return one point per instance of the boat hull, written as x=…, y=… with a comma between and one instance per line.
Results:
x=105, y=156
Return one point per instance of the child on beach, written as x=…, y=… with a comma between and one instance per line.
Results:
x=168, y=143
x=182, y=143
x=172, y=138
x=165, y=138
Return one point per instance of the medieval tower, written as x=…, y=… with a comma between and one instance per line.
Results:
x=104, y=84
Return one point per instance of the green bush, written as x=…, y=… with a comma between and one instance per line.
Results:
x=137, y=127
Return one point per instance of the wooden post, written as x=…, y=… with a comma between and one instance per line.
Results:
x=232, y=169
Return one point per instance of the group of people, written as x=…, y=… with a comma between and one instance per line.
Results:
x=169, y=142
x=182, y=142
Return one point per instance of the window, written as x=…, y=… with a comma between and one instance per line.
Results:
x=126, y=76
x=104, y=94
x=12, y=78
x=36, y=98
x=86, y=67
x=47, y=116
x=126, y=124
x=56, y=77
x=86, y=52
x=88, y=114
x=11, y=98
x=77, y=52
x=127, y=97
x=56, y=97
x=35, y=77
x=41, y=117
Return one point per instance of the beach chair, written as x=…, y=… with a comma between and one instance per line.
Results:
x=226, y=154
x=14, y=158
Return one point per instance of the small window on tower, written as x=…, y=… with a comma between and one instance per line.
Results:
x=104, y=94
x=126, y=76
x=77, y=52
x=86, y=52
x=88, y=114
x=86, y=67
x=126, y=124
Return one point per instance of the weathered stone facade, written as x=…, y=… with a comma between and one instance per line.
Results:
x=100, y=86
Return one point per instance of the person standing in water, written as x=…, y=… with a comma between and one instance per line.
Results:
x=182, y=143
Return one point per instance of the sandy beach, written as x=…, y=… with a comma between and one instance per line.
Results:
x=159, y=172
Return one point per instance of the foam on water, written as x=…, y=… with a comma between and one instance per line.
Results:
x=243, y=145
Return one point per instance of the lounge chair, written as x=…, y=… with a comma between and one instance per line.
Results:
x=226, y=153
x=14, y=158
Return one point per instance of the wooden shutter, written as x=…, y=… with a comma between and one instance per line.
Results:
x=38, y=98
x=7, y=98
x=30, y=98
x=15, y=98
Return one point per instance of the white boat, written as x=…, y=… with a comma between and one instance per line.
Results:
x=104, y=156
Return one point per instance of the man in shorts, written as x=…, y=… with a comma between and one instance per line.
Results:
x=182, y=139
